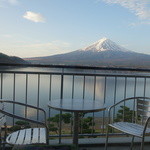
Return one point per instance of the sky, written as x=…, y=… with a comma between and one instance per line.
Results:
x=32, y=28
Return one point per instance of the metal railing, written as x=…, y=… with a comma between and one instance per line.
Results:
x=39, y=87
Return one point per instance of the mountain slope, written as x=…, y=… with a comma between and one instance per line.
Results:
x=11, y=59
x=102, y=53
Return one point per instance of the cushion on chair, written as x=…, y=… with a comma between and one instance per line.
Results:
x=27, y=136
x=130, y=128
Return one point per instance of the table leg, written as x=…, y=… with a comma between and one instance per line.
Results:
x=75, y=128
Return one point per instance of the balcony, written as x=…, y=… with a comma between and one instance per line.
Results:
x=38, y=84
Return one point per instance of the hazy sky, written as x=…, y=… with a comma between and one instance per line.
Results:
x=31, y=28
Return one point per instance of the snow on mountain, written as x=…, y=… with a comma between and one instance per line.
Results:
x=104, y=44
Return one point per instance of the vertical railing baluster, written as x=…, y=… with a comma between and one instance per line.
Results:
x=83, y=87
x=144, y=92
x=83, y=96
x=93, y=122
x=115, y=91
x=1, y=85
x=62, y=84
x=94, y=92
x=38, y=96
x=14, y=96
x=72, y=86
x=72, y=98
x=50, y=92
x=105, y=89
x=125, y=89
x=50, y=97
x=104, y=102
x=61, y=97
x=144, y=87
x=26, y=95
x=135, y=86
x=134, y=102
x=50, y=87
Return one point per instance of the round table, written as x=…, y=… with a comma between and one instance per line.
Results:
x=77, y=106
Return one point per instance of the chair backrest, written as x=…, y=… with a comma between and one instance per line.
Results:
x=2, y=116
x=143, y=108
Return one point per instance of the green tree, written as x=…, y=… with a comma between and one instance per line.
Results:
x=20, y=125
x=86, y=124
x=66, y=118
x=53, y=128
x=125, y=114
x=54, y=119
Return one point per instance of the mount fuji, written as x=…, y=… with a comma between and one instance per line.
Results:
x=101, y=53
x=104, y=45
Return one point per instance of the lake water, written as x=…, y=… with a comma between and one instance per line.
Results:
x=107, y=91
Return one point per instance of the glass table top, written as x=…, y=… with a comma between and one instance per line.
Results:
x=77, y=105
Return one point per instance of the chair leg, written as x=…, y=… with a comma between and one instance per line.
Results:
x=2, y=143
x=132, y=143
x=106, y=144
x=3, y=146
x=142, y=144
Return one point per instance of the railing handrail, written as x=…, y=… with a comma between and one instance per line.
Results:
x=78, y=67
x=78, y=74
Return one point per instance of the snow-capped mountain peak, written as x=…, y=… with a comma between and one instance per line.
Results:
x=104, y=44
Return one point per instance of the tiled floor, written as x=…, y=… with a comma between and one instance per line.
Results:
x=116, y=143
x=136, y=147
x=101, y=141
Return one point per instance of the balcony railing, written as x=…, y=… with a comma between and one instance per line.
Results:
x=39, y=84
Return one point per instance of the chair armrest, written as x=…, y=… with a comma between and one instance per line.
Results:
x=124, y=100
x=19, y=103
x=26, y=105
x=22, y=118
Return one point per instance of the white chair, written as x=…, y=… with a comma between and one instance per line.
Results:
x=136, y=128
x=38, y=135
